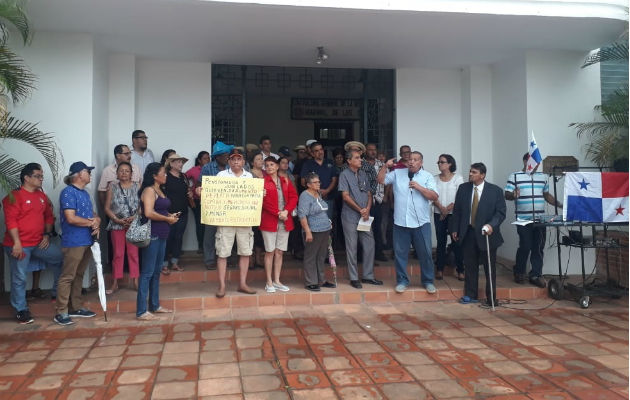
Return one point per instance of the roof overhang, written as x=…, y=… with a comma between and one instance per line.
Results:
x=379, y=34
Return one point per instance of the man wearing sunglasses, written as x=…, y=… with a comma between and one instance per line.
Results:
x=29, y=222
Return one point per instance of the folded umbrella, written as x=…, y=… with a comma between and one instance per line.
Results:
x=96, y=253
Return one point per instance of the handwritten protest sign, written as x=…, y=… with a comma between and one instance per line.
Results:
x=231, y=201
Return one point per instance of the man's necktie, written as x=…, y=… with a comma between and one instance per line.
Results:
x=473, y=209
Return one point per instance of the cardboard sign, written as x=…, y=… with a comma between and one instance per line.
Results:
x=227, y=201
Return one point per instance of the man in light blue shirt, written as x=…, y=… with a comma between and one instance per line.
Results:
x=414, y=191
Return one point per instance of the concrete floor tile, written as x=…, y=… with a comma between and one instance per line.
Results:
x=412, y=358
x=139, y=361
x=219, y=386
x=107, y=351
x=427, y=372
x=24, y=356
x=349, y=377
x=99, y=364
x=611, y=361
x=134, y=376
x=257, y=368
x=181, y=347
x=178, y=359
x=77, y=342
x=314, y=394
x=261, y=383
x=145, y=349
x=506, y=368
x=17, y=369
x=174, y=390
x=274, y=395
x=359, y=392
x=216, y=357
x=149, y=338
x=68, y=354
x=404, y=391
x=209, y=371
x=445, y=389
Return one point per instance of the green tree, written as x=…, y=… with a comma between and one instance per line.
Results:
x=16, y=84
x=609, y=133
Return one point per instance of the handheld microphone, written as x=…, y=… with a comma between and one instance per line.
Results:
x=484, y=230
x=410, y=175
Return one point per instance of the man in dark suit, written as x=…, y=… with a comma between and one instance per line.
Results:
x=479, y=210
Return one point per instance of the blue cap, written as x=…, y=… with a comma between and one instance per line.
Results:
x=221, y=148
x=78, y=167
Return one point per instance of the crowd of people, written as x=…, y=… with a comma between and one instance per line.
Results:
x=358, y=200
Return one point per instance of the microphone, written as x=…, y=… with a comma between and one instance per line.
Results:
x=410, y=175
x=485, y=230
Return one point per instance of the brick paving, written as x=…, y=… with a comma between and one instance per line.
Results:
x=355, y=351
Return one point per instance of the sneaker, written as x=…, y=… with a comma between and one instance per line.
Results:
x=63, y=319
x=538, y=281
x=281, y=287
x=82, y=313
x=270, y=289
x=400, y=288
x=24, y=317
x=147, y=316
x=430, y=288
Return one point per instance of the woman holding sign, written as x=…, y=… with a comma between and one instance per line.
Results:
x=279, y=201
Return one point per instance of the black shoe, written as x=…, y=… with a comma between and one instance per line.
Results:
x=312, y=288
x=24, y=317
x=328, y=285
x=381, y=257
x=82, y=313
x=439, y=275
x=519, y=278
x=538, y=281
x=63, y=319
x=356, y=284
x=487, y=303
x=372, y=281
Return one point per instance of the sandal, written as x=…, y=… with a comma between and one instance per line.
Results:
x=166, y=271
x=111, y=291
x=176, y=267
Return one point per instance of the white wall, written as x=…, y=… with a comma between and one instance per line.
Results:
x=428, y=113
x=173, y=107
x=62, y=104
x=122, y=99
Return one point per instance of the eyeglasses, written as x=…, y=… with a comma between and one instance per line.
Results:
x=442, y=162
x=37, y=176
x=141, y=137
x=126, y=153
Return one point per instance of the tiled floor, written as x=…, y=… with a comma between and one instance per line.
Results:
x=346, y=351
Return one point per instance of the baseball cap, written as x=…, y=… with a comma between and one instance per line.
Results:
x=236, y=153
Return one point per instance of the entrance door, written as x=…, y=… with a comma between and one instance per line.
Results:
x=333, y=134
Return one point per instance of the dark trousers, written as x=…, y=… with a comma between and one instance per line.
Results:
x=315, y=253
x=441, y=235
x=531, y=244
x=473, y=256
x=376, y=212
x=175, y=239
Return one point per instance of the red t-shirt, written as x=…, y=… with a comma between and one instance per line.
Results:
x=29, y=213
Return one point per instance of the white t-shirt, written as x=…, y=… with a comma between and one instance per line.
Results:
x=228, y=173
x=447, y=190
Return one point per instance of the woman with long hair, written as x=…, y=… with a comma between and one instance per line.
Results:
x=447, y=182
x=313, y=214
x=154, y=206
x=121, y=205
x=279, y=201
x=165, y=156
x=194, y=181
x=179, y=193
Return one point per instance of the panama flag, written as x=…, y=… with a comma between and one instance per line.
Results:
x=534, y=156
x=596, y=196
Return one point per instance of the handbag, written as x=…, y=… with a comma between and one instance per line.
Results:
x=139, y=234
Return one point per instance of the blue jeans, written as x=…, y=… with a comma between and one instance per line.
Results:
x=441, y=234
x=209, y=247
x=52, y=256
x=149, y=282
x=421, y=239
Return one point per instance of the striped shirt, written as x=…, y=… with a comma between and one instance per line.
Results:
x=531, y=188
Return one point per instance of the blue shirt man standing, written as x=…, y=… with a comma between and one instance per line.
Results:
x=414, y=191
